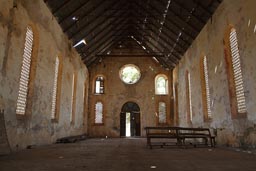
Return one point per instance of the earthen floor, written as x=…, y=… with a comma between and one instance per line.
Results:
x=125, y=155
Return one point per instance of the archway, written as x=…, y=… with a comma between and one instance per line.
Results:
x=130, y=120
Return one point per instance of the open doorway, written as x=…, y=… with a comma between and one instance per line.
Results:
x=130, y=120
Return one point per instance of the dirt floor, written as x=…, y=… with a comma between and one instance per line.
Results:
x=126, y=154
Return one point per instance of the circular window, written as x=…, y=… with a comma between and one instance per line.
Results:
x=130, y=74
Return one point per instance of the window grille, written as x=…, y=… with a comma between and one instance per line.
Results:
x=162, y=112
x=55, y=86
x=238, y=79
x=99, y=113
x=208, y=100
x=25, y=73
x=72, y=98
x=189, y=101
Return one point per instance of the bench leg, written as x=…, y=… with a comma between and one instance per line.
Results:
x=149, y=143
x=206, y=141
x=179, y=141
x=213, y=143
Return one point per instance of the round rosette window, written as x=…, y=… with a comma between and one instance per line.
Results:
x=130, y=74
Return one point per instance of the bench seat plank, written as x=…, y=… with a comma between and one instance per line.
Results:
x=180, y=134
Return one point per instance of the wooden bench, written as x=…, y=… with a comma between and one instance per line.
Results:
x=197, y=133
x=180, y=134
x=162, y=133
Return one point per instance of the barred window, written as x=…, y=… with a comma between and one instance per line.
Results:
x=189, y=101
x=237, y=72
x=205, y=89
x=55, y=86
x=85, y=98
x=99, y=113
x=162, y=112
x=73, y=98
x=25, y=73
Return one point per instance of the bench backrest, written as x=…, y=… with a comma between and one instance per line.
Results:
x=178, y=130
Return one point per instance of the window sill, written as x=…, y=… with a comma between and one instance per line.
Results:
x=98, y=94
x=98, y=124
x=239, y=116
x=22, y=117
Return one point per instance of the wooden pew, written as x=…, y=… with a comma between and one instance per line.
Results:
x=162, y=133
x=180, y=134
x=197, y=133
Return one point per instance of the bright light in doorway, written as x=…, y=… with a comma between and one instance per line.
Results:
x=128, y=124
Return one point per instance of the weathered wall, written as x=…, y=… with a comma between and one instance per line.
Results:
x=118, y=93
x=15, y=16
x=235, y=132
x=4, y=144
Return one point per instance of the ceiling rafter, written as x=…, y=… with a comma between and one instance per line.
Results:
x=197, y=2
x=166, y=28
x=151, y=51
x=82, y=17
x=163, y=32
x=90, y=39
x=162, y=37
x=101, y=23
x=188, y=11
x=152, y=45
x=93, y=58
x=61, y=6
x=162, y=46
x=105, y=33
x=101, y=40
x=180, y=27
x=61, y=20
x=93, y=20
x=177, y=16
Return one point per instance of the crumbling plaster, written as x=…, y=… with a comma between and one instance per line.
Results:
x=232, y=132
x=38, y=129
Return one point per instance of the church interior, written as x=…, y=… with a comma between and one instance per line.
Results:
x=97, y=73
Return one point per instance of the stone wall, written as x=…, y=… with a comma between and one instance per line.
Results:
x=36, y=127
x=4, y=144
x=210, y=42
x=117, y=93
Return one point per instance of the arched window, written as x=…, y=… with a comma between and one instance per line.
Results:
x=188, y=95
x=73, y=98
x=54, y=92
x=162, y=112
x=236, y=87
x=25, y=73
x=161, y=84
x=98, y=113
x=205, y=89
x=99, y=85
x=85, y=98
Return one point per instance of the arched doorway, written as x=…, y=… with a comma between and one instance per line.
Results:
x=130, y=120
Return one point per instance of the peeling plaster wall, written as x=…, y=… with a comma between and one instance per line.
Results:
x=118, y=93
x=38, y=129
x=231, y=132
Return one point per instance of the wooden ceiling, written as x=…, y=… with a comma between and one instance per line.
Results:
x=164, y=29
